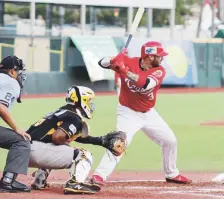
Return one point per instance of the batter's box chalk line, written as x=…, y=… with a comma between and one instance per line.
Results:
x=144, y=187
x=162, y=181
x=126, y=181
x=202, y=195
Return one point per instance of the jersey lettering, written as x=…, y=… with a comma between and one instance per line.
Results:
x=39, y=122
x=135, y=89
x=8, y=96
x=158, y=73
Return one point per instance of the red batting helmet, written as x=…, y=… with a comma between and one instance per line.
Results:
x=152, y=48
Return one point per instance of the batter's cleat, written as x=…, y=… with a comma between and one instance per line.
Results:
x=40, y=179
x=219, y=178
x=179, y=180
x=13, y=187
x=74, y=187
x=96, y=179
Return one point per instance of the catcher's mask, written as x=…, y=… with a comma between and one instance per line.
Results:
x=81, y=97
x=13, y=62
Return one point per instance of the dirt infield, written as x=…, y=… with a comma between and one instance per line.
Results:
x=131, y=185
x=213, y=123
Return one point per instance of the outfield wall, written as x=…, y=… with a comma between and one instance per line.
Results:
x=55, y=63
x=58, y=82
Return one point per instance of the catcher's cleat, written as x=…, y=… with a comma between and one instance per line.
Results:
x=96, y=179
x=40, y=179
x=74, y=187
x=179, y=180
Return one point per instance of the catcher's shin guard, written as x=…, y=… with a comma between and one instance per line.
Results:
x=81, y=166
x=74, y=187
x=40, y=179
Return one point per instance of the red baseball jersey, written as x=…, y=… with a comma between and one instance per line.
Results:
x=136, y=95
x=117, y=77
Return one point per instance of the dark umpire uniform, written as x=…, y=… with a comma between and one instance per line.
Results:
x=12, y=77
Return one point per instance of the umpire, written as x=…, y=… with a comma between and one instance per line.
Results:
x=17, y=141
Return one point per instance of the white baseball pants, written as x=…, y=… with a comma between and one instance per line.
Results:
x=154, y=127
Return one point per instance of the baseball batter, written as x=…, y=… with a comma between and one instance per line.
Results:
x=141, y=78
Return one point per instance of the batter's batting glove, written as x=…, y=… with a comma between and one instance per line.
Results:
x=115, y=142
x=117, y=64
x=119, y=67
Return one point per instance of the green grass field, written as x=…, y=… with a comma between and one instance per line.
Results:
x=200, y=148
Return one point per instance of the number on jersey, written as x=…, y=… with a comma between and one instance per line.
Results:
x=39, y=122
x=8, y=96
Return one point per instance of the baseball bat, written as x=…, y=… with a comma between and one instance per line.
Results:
x=135, y=24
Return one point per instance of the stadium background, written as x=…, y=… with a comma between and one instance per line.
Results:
x=58, y=55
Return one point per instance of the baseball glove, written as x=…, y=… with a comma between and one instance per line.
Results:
x=115, y=141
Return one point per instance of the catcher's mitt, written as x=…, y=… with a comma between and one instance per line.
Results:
x=115, y=141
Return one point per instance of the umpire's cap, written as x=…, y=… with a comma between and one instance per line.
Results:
x=11, y=62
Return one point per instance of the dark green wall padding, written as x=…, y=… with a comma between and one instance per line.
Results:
x=210, y=58
x=6, y=51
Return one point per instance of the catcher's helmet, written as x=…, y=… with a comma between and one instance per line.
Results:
x=152, y=48
x=81, y=97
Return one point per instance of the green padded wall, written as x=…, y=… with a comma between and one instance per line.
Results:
x=209, y=58
x=215, y=59
x=55, y=44
x=201, y=53
x=6, y=51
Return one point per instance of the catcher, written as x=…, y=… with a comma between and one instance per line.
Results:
x=52, y=135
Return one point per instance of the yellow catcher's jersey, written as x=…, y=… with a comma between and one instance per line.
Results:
x=66, y=120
